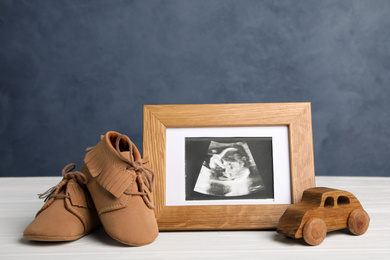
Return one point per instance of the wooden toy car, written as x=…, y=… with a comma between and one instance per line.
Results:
x=322, y=210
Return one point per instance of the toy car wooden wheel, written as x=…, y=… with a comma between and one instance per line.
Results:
x=314, y=231
x=358, y=222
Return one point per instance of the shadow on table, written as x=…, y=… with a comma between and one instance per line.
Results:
x=288, y=240
x=99, y=236
x=292, y=241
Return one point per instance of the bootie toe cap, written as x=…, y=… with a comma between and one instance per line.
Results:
x=55, y=224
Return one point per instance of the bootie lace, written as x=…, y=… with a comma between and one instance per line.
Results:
x=67, y=174
x=145, y=175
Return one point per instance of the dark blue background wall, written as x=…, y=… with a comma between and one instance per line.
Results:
x=72, y=70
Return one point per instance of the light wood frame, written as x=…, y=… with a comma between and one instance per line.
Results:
x=157, y=118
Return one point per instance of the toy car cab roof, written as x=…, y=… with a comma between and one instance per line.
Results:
x=320, y=192
x=321, y=189
x=324, y=190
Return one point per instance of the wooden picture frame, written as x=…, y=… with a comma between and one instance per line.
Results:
x=296, y=116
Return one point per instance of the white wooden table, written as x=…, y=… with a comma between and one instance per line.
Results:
x=19, y=204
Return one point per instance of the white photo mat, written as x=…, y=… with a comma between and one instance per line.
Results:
x=175, y=163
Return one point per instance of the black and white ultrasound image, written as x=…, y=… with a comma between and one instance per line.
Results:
x=228, y=168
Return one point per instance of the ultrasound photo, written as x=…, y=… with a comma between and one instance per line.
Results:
x=225, y=168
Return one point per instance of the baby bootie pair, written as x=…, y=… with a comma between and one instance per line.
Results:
x=113, y=189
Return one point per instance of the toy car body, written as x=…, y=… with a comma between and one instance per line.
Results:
x=322, y=210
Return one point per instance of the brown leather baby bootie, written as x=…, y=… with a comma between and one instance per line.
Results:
x=121, y=185
x=69, y=212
